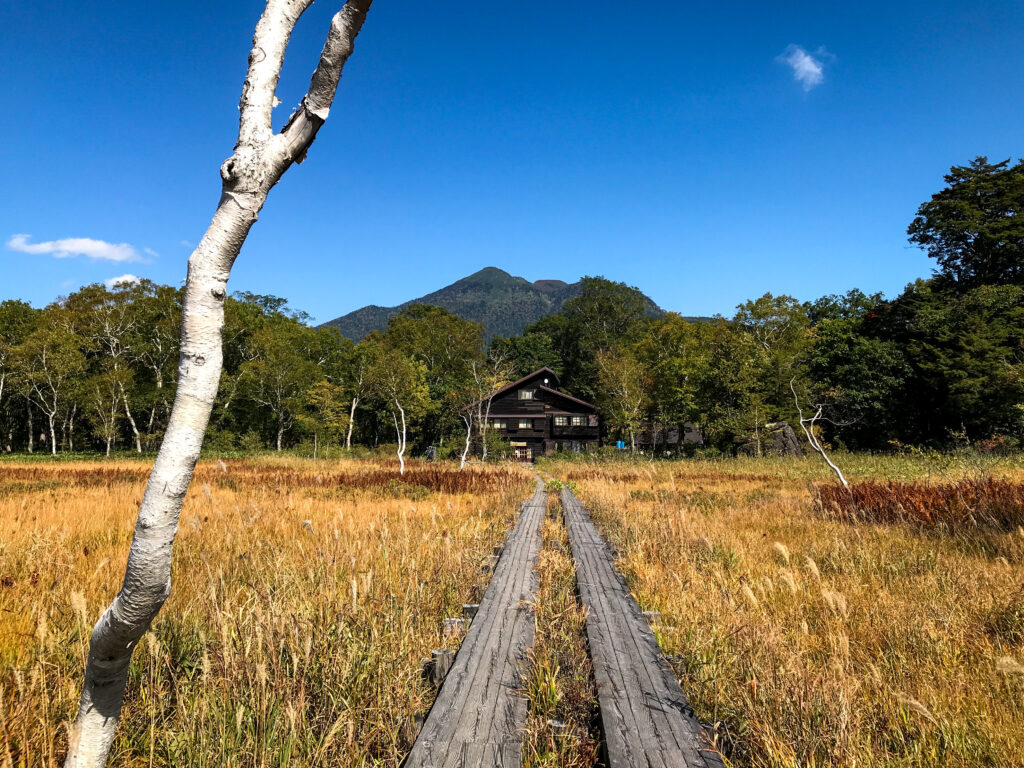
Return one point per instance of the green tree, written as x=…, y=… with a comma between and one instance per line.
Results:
x=325, y=413
x=857, y=374
x=673, y=351
x=974, y=228
x=280, y=373
x=399, y=384
x=447, y=347
x=605, y=315
x=50, y=361
x=527, y=353
x=624, y=390
x=17, y=321
x=966, y=355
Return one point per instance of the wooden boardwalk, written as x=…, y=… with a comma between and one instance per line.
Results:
x=646, y=718
x=478, y=716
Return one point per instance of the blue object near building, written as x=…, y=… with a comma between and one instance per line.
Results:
x=620, y=444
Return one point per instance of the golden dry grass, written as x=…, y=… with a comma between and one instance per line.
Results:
x=814, y=642
x=304, y=595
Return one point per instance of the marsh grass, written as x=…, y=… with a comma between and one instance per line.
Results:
x=304, y=595
x=811, y=642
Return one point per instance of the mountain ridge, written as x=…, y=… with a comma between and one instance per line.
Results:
x=504, y=304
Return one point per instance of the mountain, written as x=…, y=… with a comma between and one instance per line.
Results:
x=503, y=303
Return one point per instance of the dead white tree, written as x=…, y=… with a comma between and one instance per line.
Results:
x=808, y=424
x=260, y=158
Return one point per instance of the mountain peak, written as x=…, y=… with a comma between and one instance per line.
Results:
x=504, y=304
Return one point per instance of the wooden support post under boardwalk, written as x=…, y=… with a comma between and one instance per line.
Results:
x=478, y=717
x=646, y=718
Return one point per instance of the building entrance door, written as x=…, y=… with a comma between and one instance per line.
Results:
x=523, y=454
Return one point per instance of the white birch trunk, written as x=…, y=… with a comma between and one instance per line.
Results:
x=53, y=434
x=31, y=430
x=401, y=438
x=351, y=423
x=260, y=158
x=469, y=430
x=131, y=420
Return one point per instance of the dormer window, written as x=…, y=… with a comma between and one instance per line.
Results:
x=527, y=394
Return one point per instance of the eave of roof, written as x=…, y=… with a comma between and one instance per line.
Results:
x=568, y=397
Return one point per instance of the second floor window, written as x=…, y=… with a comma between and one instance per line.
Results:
x=526, y=423
x=498, y=423
x=561, y=421
x=579, y=421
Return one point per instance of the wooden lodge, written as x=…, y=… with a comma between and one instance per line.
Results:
x=537, y=419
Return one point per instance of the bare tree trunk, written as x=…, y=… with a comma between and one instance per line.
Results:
x=149, y=427
x=53, y=434
x=108, y=446
x=31, y=430
x=469, y=430
x=260, y=159
x=351, y=423
x=131, y=420
x=812, y=438
x=401, y=438
x=280, y=434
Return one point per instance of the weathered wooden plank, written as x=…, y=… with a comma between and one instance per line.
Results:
x=646, y=718
x=478, y=716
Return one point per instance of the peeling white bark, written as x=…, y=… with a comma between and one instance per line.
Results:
x=259, y=160
x=400, y=431
x=469, y=430
x=131, y=419
x=351, y=423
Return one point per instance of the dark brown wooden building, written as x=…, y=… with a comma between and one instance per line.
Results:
x=538, y=420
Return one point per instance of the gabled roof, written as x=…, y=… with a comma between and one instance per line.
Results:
x=515, y=384
x=568, y=397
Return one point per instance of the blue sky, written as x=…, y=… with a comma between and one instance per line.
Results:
x=668, y=145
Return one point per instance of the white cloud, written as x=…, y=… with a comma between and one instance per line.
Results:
x=808, y=69
x=70, y=247
x=127, y=279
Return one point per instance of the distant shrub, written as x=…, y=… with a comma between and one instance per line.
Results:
x=965, y=504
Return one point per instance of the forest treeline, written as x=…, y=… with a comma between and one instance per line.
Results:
x=943, y=361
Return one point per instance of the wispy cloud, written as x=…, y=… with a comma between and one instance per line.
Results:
x=126, y=279
x=808, y=69
x=70, y=247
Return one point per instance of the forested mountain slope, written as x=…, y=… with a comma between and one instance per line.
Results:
x=504, y=304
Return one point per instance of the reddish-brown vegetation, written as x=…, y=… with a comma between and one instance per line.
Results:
x=968, y=503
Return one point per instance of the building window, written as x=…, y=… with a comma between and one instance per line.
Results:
x=498, y=423
x=561, y=421
x=526, y=423
x=578, y=421
x=526, y=394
